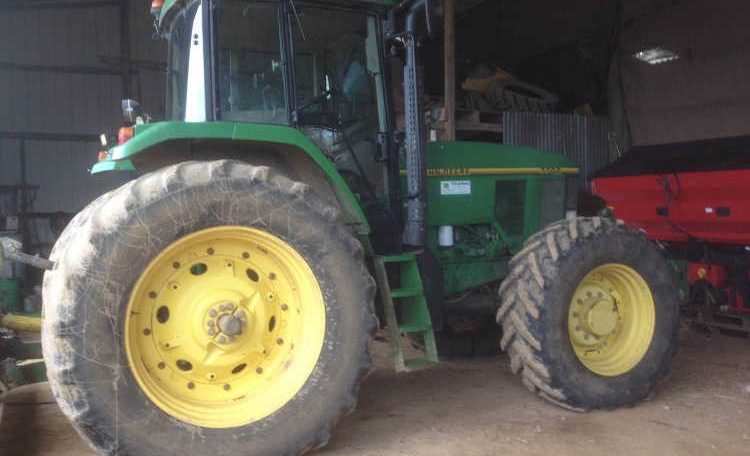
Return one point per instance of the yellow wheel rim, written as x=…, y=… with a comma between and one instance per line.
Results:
x=224, y=327
x=611, y=319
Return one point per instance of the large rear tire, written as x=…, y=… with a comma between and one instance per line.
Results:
x=207, y=308
x=590, y=314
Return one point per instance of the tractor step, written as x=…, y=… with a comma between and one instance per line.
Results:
x=406, y=293
x=405, y=308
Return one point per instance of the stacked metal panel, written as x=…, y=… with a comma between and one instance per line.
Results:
x=583, y=139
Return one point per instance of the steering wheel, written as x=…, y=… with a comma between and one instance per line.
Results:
x=326, y=94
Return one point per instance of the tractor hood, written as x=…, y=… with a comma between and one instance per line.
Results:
x=456, y=158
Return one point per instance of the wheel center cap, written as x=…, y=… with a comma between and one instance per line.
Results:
x=230, y=325
x=602, y=318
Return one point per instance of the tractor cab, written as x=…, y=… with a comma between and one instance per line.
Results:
x=315, y=67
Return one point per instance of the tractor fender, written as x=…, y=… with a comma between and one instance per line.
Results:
x=156, y=145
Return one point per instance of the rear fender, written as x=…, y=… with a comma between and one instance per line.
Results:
x=160, y=144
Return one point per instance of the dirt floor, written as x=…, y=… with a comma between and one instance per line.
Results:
x=477, y=407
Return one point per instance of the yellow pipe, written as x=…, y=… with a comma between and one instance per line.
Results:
x=19, y=323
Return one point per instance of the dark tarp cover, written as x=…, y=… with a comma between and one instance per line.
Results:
x=706, y=155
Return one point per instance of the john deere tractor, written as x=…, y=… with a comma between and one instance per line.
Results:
x=223, y=301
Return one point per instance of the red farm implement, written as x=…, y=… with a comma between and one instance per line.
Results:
x=693, y=198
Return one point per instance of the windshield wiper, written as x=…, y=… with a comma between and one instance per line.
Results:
x=299, y=21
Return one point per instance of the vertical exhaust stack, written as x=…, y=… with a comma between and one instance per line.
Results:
x=414, y=230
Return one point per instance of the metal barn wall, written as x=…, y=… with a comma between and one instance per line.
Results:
x=705, y=94
x=583, y=139
x=61, y=75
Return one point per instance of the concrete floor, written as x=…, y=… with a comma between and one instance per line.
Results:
x=477, y=407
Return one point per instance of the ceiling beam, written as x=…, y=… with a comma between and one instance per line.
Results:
x=45, y=136
x=26, y=5
x=70, y=69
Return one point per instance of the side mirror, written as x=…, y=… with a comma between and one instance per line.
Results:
x=134, y=113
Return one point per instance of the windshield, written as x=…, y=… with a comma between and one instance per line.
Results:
x=335, y=66
x=250, y=70
x=178, y=63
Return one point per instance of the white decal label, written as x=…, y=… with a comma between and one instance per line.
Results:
x=455, y=187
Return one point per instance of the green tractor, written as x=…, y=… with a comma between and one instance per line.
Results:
x=223, y=301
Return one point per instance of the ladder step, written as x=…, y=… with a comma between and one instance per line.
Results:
x=419, y=363
x=414, y=329
x=406, y=292
x=403, y=258
x=405, y=309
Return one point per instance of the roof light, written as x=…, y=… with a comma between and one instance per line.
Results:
x=656, y=55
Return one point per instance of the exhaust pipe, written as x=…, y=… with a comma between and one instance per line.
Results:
x=414, y=230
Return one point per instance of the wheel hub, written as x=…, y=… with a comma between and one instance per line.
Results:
x=225, y=322
x=215, y=334
x=230, y=325
x=594, y=314
x=601, y=318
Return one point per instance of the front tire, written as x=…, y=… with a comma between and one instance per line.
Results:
x=207, y=308
x=590, y=314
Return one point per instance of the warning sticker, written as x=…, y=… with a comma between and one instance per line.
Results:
x=455, y=187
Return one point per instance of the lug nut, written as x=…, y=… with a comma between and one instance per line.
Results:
x=212, y=313
x=211, y=332
x=222, y=340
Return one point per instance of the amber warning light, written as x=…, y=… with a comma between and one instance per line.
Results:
x=124, y=134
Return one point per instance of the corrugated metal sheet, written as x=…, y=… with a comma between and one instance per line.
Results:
x=583, y=139
x=70, y=101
